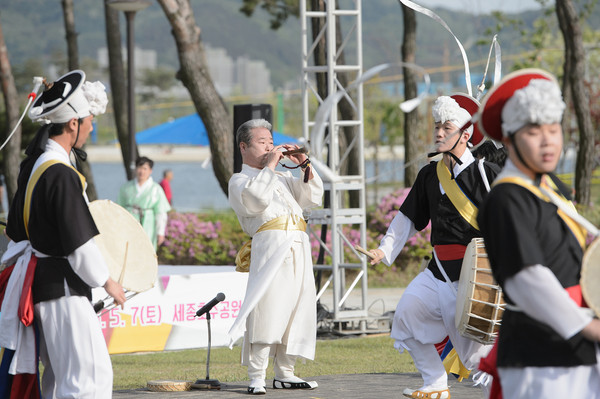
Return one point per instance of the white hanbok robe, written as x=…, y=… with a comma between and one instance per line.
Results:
x=280, y=302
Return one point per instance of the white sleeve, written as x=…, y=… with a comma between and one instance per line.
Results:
x=88, y=263
x=161, y=223
x=308, y=195
x=399, y=231
x=537, y=292
x=250, y=197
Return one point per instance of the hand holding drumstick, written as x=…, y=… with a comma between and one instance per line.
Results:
x=376, y=255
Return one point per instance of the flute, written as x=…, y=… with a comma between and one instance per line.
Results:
x=301, y=150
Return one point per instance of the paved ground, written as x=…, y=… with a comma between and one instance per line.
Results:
x=346, y=386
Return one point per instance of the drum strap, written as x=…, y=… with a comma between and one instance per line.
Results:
x=565, y=209
x=439, y=265
x=461, y=202
x=486, y=182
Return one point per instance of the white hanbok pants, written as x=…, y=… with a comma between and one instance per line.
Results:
x=283, y=323
x=283, y=364
x=424, y=317
x=581, y=382
x=73, y=350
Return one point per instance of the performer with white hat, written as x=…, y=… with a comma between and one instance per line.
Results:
x=54, y=252
x=548, y=343
x=447, y=194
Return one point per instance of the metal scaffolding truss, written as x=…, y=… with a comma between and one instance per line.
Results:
x=348, y=268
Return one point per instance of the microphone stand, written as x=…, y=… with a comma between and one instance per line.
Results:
x=207, y=383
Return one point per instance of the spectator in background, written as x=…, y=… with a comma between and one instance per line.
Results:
x=146, y=201
x=165, y=183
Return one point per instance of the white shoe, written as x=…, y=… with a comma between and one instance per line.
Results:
x=427, y=393
x=257, y=386
x=293, y=383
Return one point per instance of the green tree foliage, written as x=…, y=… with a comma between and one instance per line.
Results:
x=161, y=78
x=279, y=10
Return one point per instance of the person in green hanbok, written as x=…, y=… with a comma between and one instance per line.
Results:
x=146, y=201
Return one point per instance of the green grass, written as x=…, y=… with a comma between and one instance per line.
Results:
x=374, y=354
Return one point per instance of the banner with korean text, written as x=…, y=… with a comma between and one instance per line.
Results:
x=164, y=317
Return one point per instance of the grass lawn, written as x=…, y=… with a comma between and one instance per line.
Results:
x=372, y=354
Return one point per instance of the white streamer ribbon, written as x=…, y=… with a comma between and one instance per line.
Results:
x=497, y=66
x=317, y=133
x=439, y=20
x=37, y=83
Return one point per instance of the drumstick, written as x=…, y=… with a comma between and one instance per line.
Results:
x=364, y=251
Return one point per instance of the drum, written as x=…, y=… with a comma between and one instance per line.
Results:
x=126, y=248
x=479, y=302
x=590, y=276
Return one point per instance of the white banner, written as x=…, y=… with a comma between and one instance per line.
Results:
x=164, y=317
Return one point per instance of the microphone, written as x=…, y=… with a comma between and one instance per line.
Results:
x=220, y=297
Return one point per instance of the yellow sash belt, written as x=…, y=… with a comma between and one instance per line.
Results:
x=285, y=222
x=578, y=231
x=461, y=202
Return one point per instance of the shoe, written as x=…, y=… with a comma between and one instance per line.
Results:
x=257, y=387
x=427, y=393
x=293, y=383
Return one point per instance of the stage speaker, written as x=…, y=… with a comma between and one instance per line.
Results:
x=243, y=113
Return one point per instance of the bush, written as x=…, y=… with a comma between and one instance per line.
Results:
x=193, y=239
x=417, y=246
x=408, y=263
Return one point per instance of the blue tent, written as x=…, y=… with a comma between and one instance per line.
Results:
x=189, y=130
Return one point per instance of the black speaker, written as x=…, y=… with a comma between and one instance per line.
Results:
x=243, y=113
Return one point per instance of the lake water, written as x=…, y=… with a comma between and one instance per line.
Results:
x=195, y=188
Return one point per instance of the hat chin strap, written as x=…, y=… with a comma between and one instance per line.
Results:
x=79, y=153
x=449, y=152
x=537, y=176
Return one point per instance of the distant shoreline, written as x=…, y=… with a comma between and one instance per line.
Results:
x=158, y=153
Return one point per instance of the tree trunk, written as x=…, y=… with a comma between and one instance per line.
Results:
x=352, y=162
x=118, y=83
x=70, y=34
x=12, y=150
x=409, y=46
x=569, y=25
x=195, y=77
x=73, y=61
x=566, y=85
x=321, y=49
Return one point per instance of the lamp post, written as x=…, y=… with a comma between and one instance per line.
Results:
x=130, y=7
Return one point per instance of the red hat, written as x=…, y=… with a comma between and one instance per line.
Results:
x=489, y=117
x=471, y=105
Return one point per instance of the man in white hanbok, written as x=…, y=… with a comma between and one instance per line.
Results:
x=279, y=310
